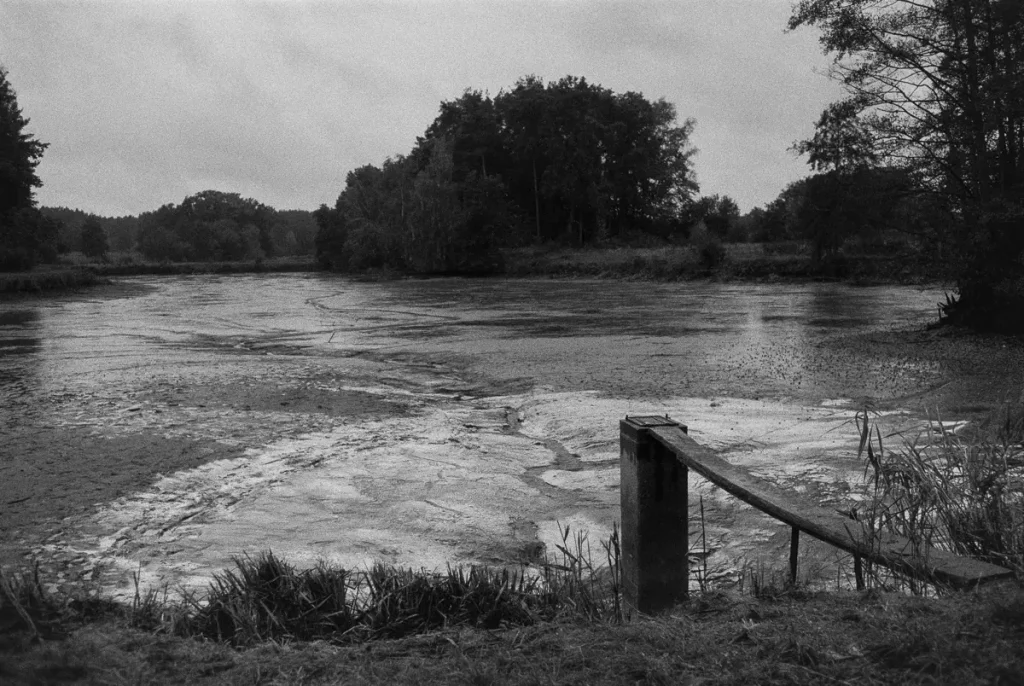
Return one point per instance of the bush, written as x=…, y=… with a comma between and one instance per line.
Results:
x=710, y=252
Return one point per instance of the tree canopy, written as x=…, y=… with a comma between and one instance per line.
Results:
x=935, y=88
x=210, y=225
x=566, y=161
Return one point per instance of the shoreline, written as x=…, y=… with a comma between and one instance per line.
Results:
x=743, y=263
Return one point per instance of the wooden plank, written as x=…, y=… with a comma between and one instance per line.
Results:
x=895, y=552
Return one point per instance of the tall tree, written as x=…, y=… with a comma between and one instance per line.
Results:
x=25, y=235
x=585, y=161
x=936, y=87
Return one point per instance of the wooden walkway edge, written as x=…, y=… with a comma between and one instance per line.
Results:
x=655, y=457
x=895, y=552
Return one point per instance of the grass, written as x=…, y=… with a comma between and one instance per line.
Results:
x=741, y=261
x=948, y=490
x=45, y=279
x=714, y=638
x=74, y=270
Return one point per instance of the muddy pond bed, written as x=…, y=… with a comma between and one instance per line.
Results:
x=163, y=425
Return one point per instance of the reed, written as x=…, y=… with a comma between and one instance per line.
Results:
x=945, y=489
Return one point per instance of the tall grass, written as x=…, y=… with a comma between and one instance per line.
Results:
x=264, y=598
x=944, y=489
x=23, y=600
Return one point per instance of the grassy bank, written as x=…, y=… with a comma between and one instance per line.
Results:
x=132, y=263
x=735, y=261
x=727, y=262
x=536, y=637
x=277, y=265
x=48, y=279
x=75, y=271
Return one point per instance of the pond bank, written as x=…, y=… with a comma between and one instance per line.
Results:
x=736, y=262
x=714, y=639
x=49, y=280
x=756, y=263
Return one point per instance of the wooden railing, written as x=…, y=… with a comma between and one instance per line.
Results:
x=656, y=455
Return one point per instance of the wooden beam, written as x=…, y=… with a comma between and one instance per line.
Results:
x=895, y=552
x=655, y=526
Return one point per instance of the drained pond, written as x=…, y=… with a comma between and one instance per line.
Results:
x=163, y=425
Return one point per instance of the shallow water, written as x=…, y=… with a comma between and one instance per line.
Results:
x=422, y=422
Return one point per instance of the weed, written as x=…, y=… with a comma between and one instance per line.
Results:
x=24, y=602
x=944, y=490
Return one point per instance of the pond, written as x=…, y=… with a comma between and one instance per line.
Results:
x=169, y=424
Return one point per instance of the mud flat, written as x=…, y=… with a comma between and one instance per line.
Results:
x=170, y=424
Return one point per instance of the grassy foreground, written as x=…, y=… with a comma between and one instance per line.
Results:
x=714, y=638
x=267, y=623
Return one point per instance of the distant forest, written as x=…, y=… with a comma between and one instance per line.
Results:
x=207, y=226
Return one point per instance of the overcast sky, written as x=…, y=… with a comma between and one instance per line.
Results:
x=145, y=102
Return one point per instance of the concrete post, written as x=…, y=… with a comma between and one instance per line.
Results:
x=655, y=530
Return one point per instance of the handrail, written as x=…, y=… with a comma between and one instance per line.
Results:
x=655, y=456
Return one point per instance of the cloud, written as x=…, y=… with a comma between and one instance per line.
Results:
x=144, y=103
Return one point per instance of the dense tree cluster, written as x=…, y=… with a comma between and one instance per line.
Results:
x=207, y=226
x=212, y=225
x=121, y=232
x=568, y=161
x=935, y=89
x=26, y=236
x=291, y=232
x=870, y=208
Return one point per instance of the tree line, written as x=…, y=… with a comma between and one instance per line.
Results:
x=568, y=162
x=205, y=226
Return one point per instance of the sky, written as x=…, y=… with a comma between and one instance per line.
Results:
x=145, y=102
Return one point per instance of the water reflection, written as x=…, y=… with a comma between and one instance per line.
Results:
x=20, y=343
x=19, y=331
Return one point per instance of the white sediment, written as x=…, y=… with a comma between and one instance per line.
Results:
x=448, y=485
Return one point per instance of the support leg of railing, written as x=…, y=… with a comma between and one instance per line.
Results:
x=858, y=572
x=794, y=550
x=655, y=533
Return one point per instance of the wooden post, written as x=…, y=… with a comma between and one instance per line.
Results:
x=794, y=549
x=655, y=530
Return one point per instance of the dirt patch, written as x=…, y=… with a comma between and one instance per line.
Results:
x=49, y=474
